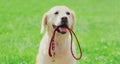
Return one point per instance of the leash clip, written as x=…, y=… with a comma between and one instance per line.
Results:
x=53, y=56
x=53, y=51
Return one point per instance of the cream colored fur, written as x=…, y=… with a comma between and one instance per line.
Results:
x=62, y=41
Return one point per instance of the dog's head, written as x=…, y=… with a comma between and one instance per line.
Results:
x=58, y=16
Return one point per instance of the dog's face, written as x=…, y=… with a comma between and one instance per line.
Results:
x=58, y=16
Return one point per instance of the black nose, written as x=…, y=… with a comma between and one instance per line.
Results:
x=64, y=20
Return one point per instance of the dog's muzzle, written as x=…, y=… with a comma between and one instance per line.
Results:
x=63, y=26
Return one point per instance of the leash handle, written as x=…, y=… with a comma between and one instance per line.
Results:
x=71, y=32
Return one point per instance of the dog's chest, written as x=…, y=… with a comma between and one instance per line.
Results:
x=61, y=50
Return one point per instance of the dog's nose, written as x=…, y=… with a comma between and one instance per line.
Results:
x=64, y=20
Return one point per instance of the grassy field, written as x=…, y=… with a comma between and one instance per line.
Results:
x=97, y=27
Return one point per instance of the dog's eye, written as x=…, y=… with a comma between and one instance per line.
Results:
x=56, y=13
x=68, y=13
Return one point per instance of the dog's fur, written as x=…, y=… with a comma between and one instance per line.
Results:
x=62, y=41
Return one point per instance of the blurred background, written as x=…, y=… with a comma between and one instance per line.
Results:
x=97, y=27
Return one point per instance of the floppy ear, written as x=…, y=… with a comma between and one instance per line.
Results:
x=73, y=19
x=44, y=23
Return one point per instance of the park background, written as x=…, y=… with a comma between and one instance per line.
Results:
x=97, y=27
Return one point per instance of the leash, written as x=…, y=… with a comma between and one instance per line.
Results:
x=52, y=45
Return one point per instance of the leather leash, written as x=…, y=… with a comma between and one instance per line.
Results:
x=52, y=45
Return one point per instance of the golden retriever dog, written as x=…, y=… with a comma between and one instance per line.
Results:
x=56, y=16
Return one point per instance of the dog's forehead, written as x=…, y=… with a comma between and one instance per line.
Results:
x=59, y=8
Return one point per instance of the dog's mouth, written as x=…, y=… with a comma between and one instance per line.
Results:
x=62, y=29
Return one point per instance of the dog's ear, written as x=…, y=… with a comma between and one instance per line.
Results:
x=73, y=18
x=44, y=22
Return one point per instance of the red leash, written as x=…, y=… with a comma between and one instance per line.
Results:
x=52, y=46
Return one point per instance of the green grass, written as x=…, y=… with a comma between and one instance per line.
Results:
x=97, y=27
